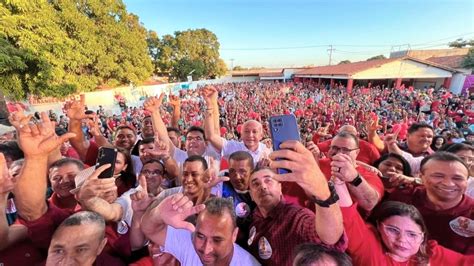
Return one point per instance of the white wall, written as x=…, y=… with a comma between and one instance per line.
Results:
x=457, y=82
x=403, y=69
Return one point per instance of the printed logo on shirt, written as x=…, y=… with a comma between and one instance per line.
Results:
x=264, y=248
x=242, y=210
x=462, y=226
x=122, y=228
x=251, y=235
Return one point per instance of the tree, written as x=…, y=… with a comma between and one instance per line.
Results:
x=344, y=62
x=468, y=61
x=197, y=48
x=460, y=43
x=236, y=68
x=377, y=57
x=75, y=46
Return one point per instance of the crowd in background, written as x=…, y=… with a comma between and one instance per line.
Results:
x=380, y=176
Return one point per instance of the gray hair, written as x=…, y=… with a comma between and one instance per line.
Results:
x=217, y=206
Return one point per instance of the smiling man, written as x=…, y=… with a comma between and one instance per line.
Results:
x=448, y=213
x=210, y=242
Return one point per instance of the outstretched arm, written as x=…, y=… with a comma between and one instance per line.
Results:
x=212, y=114
x=153, y=105
x=307, y=174
x=37, y=141
x=75, y=111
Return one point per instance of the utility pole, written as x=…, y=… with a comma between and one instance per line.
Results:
x=330, y=53
x=232, y=64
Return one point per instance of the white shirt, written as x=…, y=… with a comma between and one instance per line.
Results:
x=179, y=244
x=231, y=146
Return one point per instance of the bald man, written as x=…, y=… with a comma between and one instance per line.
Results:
x=368, y=153
x=251, y=134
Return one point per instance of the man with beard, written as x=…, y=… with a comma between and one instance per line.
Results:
x=210, y=242
x=252, y=132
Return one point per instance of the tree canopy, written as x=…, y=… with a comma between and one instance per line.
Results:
x=461, y=43
x=377, y=57
x=195, y=51
x=54, y=48
x=344, y=62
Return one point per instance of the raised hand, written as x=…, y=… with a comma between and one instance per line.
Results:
x=141, y=199
x=175, y=209
x=304, y=169
x=153, y=104
x=175, y=101
x=75, y=109
x=94, y=187
x=212, y=174
x=37, y=139
x=343, y=167
x=93, y=125
x=210, y=94
x=313, y=148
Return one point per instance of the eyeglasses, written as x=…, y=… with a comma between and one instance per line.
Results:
x=410, y=236
x=151, y=173
x=344, y=150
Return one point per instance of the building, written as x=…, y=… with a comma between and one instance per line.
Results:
x=391, y=72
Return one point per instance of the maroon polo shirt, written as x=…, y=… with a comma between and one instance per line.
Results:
x=272, y=239
x=41, y=231
x=443, y=225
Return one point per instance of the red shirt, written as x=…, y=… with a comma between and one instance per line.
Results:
x=41, y=231
x=365, y=246
x=368, y=153
x=273, y=238
x=22, y=253
x=438, y=221
x=295, y=194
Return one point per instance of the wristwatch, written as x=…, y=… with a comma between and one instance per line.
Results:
x=356, y=182
x=333, y=198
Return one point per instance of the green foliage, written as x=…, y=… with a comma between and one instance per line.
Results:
x=460, y=43
x=468, y=61
x=69, y=46
x=345, y=62
x=188, y=50
x=377, y=57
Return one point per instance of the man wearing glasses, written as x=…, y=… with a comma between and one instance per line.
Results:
x=365, y=187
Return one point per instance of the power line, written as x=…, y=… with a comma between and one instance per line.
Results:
x=340, y=45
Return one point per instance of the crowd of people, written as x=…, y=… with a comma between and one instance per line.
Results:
x=380, y=176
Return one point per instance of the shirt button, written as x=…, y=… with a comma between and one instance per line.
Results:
x=27, y=255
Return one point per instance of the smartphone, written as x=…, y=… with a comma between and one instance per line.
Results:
x=106, y=156
x=283, y=128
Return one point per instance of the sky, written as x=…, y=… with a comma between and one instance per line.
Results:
x=277, y=33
